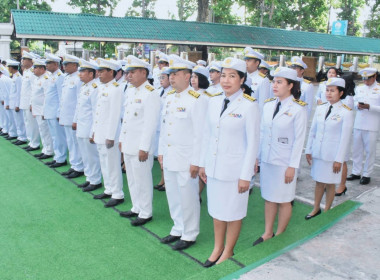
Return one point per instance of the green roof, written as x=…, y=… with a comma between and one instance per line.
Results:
x=88, y=27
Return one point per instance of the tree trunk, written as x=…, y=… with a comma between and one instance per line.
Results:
x=262, y=11
x=203, y=9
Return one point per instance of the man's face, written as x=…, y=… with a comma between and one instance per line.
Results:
x=215, y=76
x=70, y=67
x=52, y=66
x=105, y=75
x=39, y=70
x=370, y=81
x=179, y=80
x=252, y=64
x=137, y=76
x=27, y=63
x=299, y=70
x=85, y=76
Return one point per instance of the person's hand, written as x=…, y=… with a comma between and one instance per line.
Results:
x=309, y=159
x=289, y=175
x=194, y=171
x=120, y=147
x=256, y=166
x=202, y=174
x=160, y=161
x=143, y=156
x=337, y=167
x=109, y=143
x=17, y=109
x=363, y=106
x=92, y=139
x=7, y=108
x=74, y=126
x=243, y=186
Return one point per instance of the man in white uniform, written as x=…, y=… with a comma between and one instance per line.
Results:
x=5, y=88
x=106, y=131
x=366, y=126
x=163, y=61
x=179, y=153
x=142, y=108
x=215, y=88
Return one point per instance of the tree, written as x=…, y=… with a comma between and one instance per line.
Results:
x=373, y=23
x=98, y=7
x=186, y=8
x=142, y=8
x=221, y=12
x=203, y=10
x=7, y=5
x=350, y=11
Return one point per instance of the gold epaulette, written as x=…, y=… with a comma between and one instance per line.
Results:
x=208, y=94
x=59, y=74
x=115, y=84
x=250, y=98
x=322, y=103
x=94, y=85
x=346, y=107
x=216, y=94
x=299, y=102
x=149, y=87
x=171, y=92
x=269, y=99
x=307, y=81
x=46, y=77
x=262, y=75
x=194, y=93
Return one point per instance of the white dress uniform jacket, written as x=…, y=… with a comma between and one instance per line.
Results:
x=70, y=92
x=214, y=89
x=261, y=88
x=26, y=88
x=329, y=139
x=321, y=93
x=307, y=95
x=14, y=96
x=53, y=95
x=38, y=94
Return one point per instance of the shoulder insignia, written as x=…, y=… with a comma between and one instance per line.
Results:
x=307, y=81
x=46, y=77
x=208, y=94
x=59, y=74
x=269, y=99
x=346, y=107
x=322, y=103
x=262, y=75
x=250, y=98
x=217, y=94
x=149, y=87
x=18, y=74
x=94, y=85
x=194, y=93
x=115, y=84
x=171, y=92
x=299, y=102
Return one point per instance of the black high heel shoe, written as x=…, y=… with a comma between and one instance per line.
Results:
x=343, y=192
x=308, y=216
x=209, y=263
x=260, y=240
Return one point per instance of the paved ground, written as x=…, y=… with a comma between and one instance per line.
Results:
x=348, y=250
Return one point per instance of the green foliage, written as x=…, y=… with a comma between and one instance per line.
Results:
x=98, y=7
x=373, y=23
x=350, y=11
x=221, y=12
x=186, y=8
x=142, y=8
x=107, y=48
x=7, y=5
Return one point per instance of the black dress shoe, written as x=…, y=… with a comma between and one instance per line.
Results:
x=58, y=164
x=11, y=138
x=162, y=188
x=209, y=263
x=15, y=142
x=85, y=184
x=170, y=239
x=50, y=162
x=26, y=147
x=365, y=180
x=156, y=187
x=67, y=172
x=140, y=221
x=39, y=155
x=30, y=149
x=75, y=174
x=128, y=214
x=91, y=188
x=260, y=240
x=343, y=192
x=353, y=177
x=19, y=142
x=46, y=156
x=102, y=196
x=182, y=245
x=113, y=202
x=308, y=216
x=4, y=134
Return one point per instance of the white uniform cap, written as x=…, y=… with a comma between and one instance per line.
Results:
x=157, y=53
x=117, y=62
x=285, y=72
x=202, y=62
x=201, y=70
x=52, y=58
x=27, y=55
x=215, y=65
x=296, y=60
x=122, y=62
x=4, y=70
x=176, y=63
x=250, y=53
x=11, y=62
x=367, y=73
x=263, y=64
x=39, y=62
x=165, y=70
x=163, y=58
x=70, y=59
x=339, y=82
x=36, y=55
x=134, y=62
x=108, y=64
x=235, y=63
x=87, y=65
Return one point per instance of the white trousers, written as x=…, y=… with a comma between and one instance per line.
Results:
x=47, y=142
x=4, y=119
x=91, y=163
x=364, y=140
x=110, y=163
x=75, y=157
x=31, y=128
x=20, y=125
x=11, y=124
x=182, y=192
x=140, y=184
x=58, y=136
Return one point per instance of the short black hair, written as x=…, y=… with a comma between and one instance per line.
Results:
x=40, y=66
x=202, y=81
x=296, y=89
x=13, y=67
x=254, y=58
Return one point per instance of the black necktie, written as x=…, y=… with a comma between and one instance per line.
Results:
x=328, y=112
x=277, y=109
x=162, y=92
x=226, y=101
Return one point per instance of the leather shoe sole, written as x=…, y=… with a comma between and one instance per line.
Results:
x=183, y=244
x=128, y=214
x=170, y=239
x=46, y=156
x=90, y=187
x=58, y=164
x=102, y=196
x=140, y=221
x=75, y=174
x=113, y=202
x=365, y=180
x=353, y=177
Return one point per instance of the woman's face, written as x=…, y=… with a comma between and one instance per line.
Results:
x=333, y=94
x=230, y=81
x=281, y=87
x=331, y=73
x=194, y=81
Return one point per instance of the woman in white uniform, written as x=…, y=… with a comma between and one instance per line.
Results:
x=230, y=146
x=321, y=93
x=328, y=143
x=283, y=130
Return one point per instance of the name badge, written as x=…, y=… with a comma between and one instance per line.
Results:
x=239, y=116
x=283, y=140
x=288, y=114
x=105, y=94
x=181, y=109
x=138, y=101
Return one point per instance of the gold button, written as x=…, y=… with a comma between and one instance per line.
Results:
x=170, y=123
x=168, y=145
x=168, y=134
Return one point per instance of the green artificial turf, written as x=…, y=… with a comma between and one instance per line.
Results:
x=50, y=229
